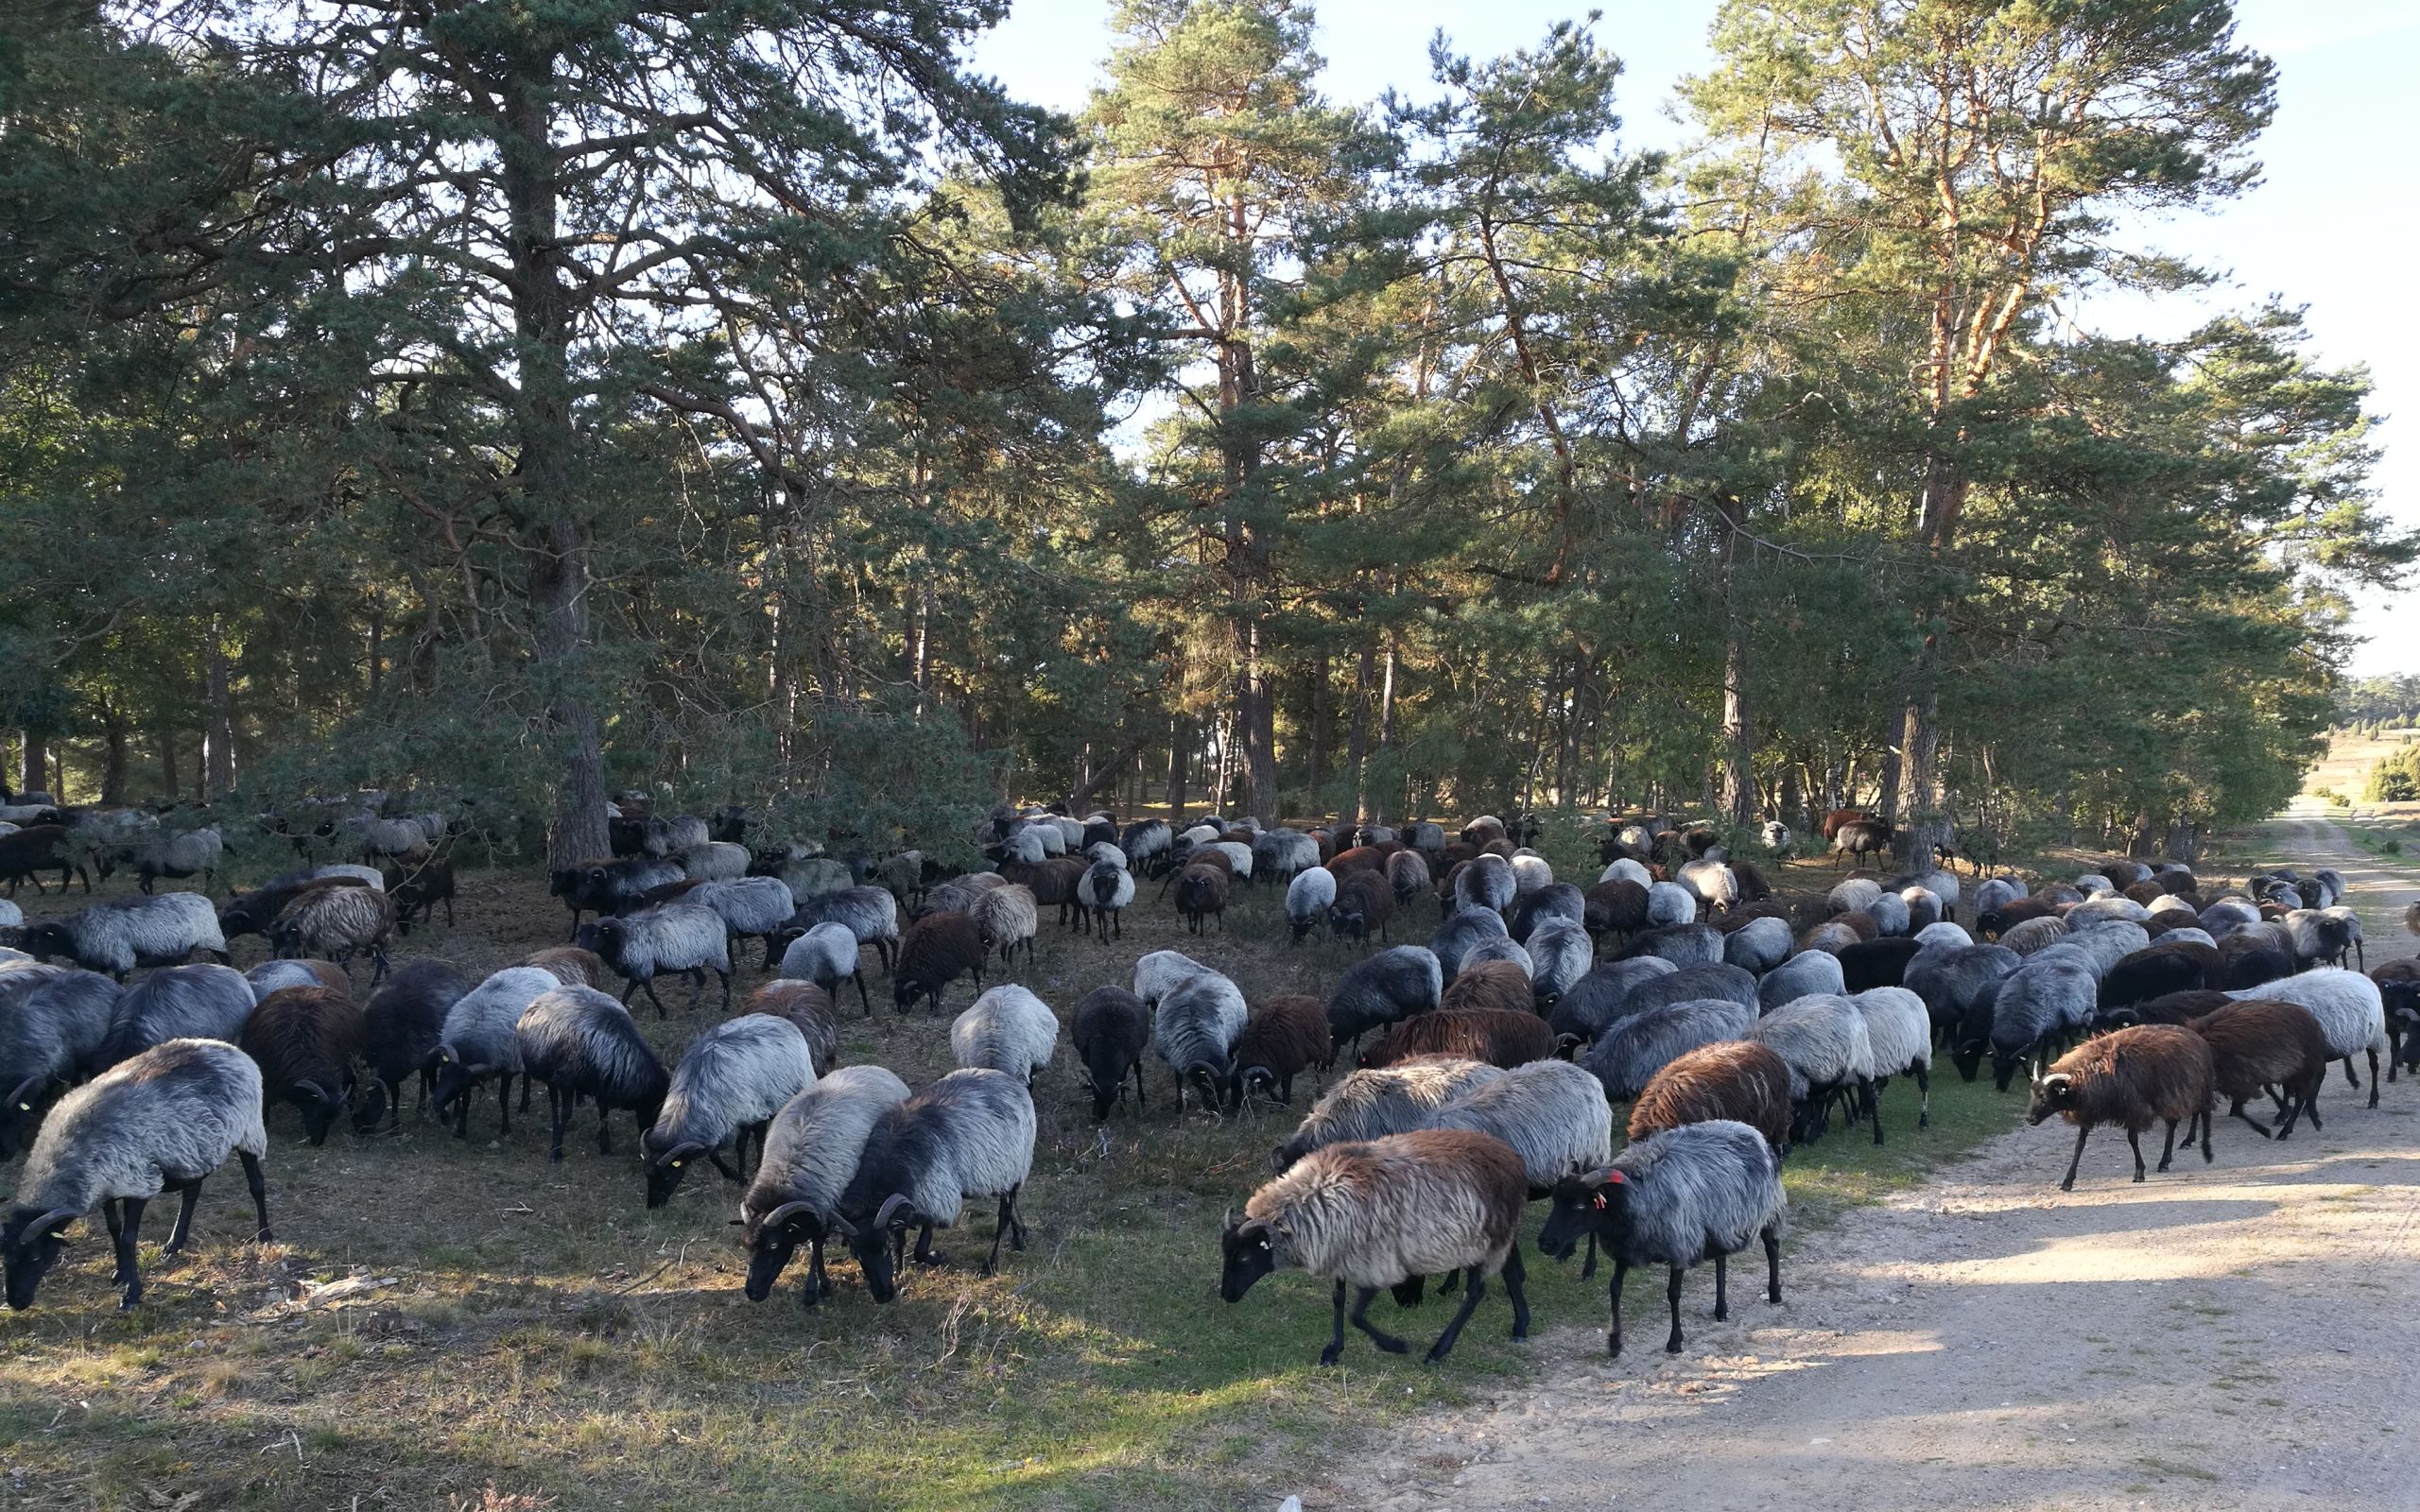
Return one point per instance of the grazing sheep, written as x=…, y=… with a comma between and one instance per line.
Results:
x=1694, y=982
x=2032, y=1008
x=1497, y=1036
x=480, y=1041
x=681, y=937
x=1672, y=1199
x=1899, y=1029
x=1600, y=998
x=334, y=921
x=1112, y=1029
x=1805, y=974
x=1954, y=981
x=808, y=1009
x=612, y=887
x=2256, y=1045
x=1008, y=1029
x=968, y=1135
x=1009, y=917
x=117, y=935
x=1408, y=873
x=305, y=1041
x=1496, y=949
x=750, y=907
x=1713, y=884
x=1758, y=945
x=2131, y=1077
x=1377, y=1214
x=807, y=1158
x=1560, y=954
x=733, y=1078
x=1195, y=1033
x=1555, y=902
x=1375, y=1102
x=2350, y=1010
x=1363, y=902
x=1106, y=892
x=1502, y=986
x=1822, y=1041
x=177, y=1002
x=1736, y=1079
x=276, y=976
x=571, y=966
x=1146, y=844
x=1668, y=902
x=1460, y=934
x=1376, y=991
x=168, y=1117
x=1552, y=1112
x=1855, y=896
x=1282, y=1038
x=1201, y=893
x=1308, y=897
x=1684, y=945
x=1626, y=868
x=1615, y=908
x=1160, y=973
x=1943, y=934
x=1630, y=1054
x=2031, y=936
x=195, y=853
x=1485, y=882
x=1284, y=853
x=53, y=1023
x=582, y=1043
x=402, y=1028
x=826, y=956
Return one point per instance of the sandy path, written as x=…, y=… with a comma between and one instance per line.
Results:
x=2379, y=892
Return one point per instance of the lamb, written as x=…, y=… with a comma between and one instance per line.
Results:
x=1822, y=1041
x=480, y=1041
x=1010, y=917
x=1600, y=998
x=402, y=1026
x=1374, y=1103
x=582, y=1043
x=1282, y=1038
x=1308, y=897
x=808, y=1156
x=1805, y=974
x=1629, y=1055
x=2256, y=1045
x=751, y=907
x=734, y=1078
x=1736, y=1080
x=53, y=1022
x=1195, y=1035
x=2350, y=1010
x=1560, y=956
x=681, y=937
x=1460, y=934
x=1899, y=1029
x=1758, y=945
x=1485, y=882
x=968, y=1135
x=1112, y=1029
x=809, y=1009
x=1377, y=1215
x=1497, y=1036
x=168, y=1117
x=1376, y=991
x=1499, y=986
x=2131, y=1077
x=1671, y=1199
x=827, y=957
x=124, y=932
x=1008, y=1029
x=336, y=922
x=177, y=1002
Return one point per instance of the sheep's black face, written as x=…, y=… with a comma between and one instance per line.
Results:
x=42, y=941
x=2004, y=1069
x=2052, y=1095
x=320, y=1111
x=1583, y=1205
x=665, y=1175
x=1968, y=1057
x=769, y=1252
x=454, y=1080
x=28, y=1253
x=1248, y=1251
x=876, y=1247
x=373, y=1109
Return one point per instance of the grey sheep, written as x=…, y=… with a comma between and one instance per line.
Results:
x=336, y=923
x=1696, y=982
x=731, y=1081
x=1943, y=934
x=1627, y=1056
x=1888, y=912
x=1194, y=1033
x=808, y=1157
x=1823, y=1041
x=1671, y=1199
x=1498, y=948
x=750, y=907
x=1008, y=1029
x=1561, y=953
x=1899, y=1030
x=1377, y=1101
x=968, y=1135
x=1553, y=1114
x=1285, y=853
x=1997, y=893
x=168, y=1117
x=177, y=1002
x=678, y=936
x=1853, y=896
x=826, y=956
x=1601, y=998
x=277, y=975
x=1308, y=897
x=1408, y=873
x=717, y=860
x=1682, y=944
x=1924, y=910
x=1758, y=945
x=1104, y=894
x=871, y=914
x=1378, y=989
x=1160, y=973
x=2033, y=935
x=1712, y=883
x=1459, y=934
x=1624, y=868
x=1010, y=917
x=53, y=1022
x=1952, y=979
x=481, y=1040
x=1378, y=1215
x=584, y=1044
x=1668, y=902
x=2350, y=1009
x=1485, y=882
x=1802, y=975
x=2034, y=1005
x=124, y=932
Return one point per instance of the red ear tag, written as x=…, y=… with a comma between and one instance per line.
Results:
x=1600, y=1200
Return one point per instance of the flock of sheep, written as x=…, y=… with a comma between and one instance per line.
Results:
x=1491, y=1059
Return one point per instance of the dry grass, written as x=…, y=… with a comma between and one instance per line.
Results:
x=534, y=1337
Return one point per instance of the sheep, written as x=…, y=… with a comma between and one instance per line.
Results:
x=1375, y=1102
x=1625, y=869
x=1822, y=1039
x=1628, y=1055
x=1735, y=1078
x=1802, y=975
x=1240, y=859
x=750, y=908
x=1502, y=986
x=1282, y=1038
x=733, y=1078
x=276, y=976
x=1106, y=892
x=1408, y=873
x=479, y=1040
x=417, y=893
x=1496, y=948
x=826, y=956
x=1758, y=945
x=1712, y=885
x=2131, y=1077
x=1671, y=1199
x=2030, y=935
x=305, y=1041
x=1160, y=973
x=177, y=1002
x=1285, y=853
x=678, y=936
x=1010, y=917
x=117, y=935
x=1364, y=902
x=1899, y=1029
x=1457, y=936
x=1600, y=998
x=1146, y=844
x=1194, y=1035
x=806, y=1159
x=53, y=1023
x=1668, y=902
x=1853, y=896
x=2039, y=1002
x=1201, y=893
x=336, y=922
x=402, y=1028
x=1377, y=1214
x=2350, y=1010
x=811, y=877
x=1378, y=989
x=168, y=1117
x=2160, y=969
x=968, y=1135
x=26, y=853
x=1560, y=954
x=1555, y=902
x=1504, y=1038
x=197, y=851
x=2321, y=938
x=958, y=895
x=808, y=1009
x=582, y=1043
x=1308, y=897
x=1008, y=1029
x=1112, y=1028
x=1552, y=1112
x=612, y=887
x=1485, y=882
x=571, y=966
x=1694, y=982
x=2256, y=1045
x=1615, y=908
x=1944, y=934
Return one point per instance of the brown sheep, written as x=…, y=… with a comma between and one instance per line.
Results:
x=1497, y=1036
x=572, y=966
x=1364, y=902
x=2173, y=1007
x=1283, y=1038
x=1201, y=892
x=2010, y=914
x=307, y=1040
x=1615, y=908
x=811, y=1008
x=1754, y=889
x=1358, y=858
x=1499, y=985
x=2256, y=1043
x=2132, y=1078
x=937, y=950
x=1835, y=820
x=1738, y=1079
x=336, y=922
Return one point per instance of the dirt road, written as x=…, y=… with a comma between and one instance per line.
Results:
x=2380, y=891
x=2229, y=1336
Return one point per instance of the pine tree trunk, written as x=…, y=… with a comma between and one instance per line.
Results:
x=1319, y=721
x=218, y=778
x=169, y=783
x=1356, y=758
x=1737, y=799
x=112, y=755
x=35, y=773
x=1177, y=755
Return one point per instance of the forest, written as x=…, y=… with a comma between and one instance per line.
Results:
x=743, y=401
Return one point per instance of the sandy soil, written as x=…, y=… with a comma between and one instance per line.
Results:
x=2381, y=892
x=2228, y=1335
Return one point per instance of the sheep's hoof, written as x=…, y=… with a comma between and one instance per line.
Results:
x=1672, y=1345
x=1613, y=1346
x=1331, y=1354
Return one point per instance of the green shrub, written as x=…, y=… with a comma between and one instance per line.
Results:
x=2394, y=778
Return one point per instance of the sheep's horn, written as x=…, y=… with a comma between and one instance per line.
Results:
x=27, y=1089
x=55, y=1219
x=788, y=1210
x=689, y=1151
x=892, y=1205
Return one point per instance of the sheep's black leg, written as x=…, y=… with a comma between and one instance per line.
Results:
x=558, y=1111
x=525, y=1092
x=1409, y=1291
x=130, y=1238
x=738, y=1148
x=697, y=975
x=864, y=1002
x=1000, y=1223
x=1672, y=1295
x=1336, y=1340
x=604, y=1128
x=812, y=1292
x=925, y=1252
x=2350, y=1075
x=2206, y=1157
x=190, y=1194
x=462, y=1114
x=2069, y=1184
x=1588, y=1269
x=1613, y=1332
x=1873, y=1111
x=1513, y=1278
x=2168, y=1151
x=503, y=1101
x=2236, y=1111
x=1721, y=1286
x=1473, y=1289
x=1772, y=1237
x=117, y=1232
x=1924, y=1091
x=1388, y=1342
x=2134, y=1141
x=2374, y=1074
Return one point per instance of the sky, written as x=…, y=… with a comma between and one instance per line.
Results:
x=2335, y=225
